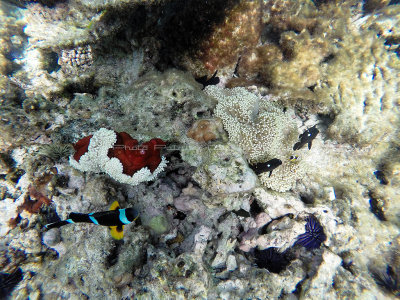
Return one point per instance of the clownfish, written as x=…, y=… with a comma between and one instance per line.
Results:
x=115, y=218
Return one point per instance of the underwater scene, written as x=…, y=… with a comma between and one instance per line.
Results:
x=199, y=149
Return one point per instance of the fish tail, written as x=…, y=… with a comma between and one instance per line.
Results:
x=58, y=224
x=117, y=232
x=297, y=146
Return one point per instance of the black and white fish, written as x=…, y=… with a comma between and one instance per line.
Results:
x=115, y=219
x=306, y=138
x=268, y=166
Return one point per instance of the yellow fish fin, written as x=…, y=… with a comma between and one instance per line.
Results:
x=114, y=205
x=117, y=232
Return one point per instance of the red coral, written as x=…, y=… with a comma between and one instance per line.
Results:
x=81, y=147
x=132, y=155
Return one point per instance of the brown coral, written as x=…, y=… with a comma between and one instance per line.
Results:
x=33, y=206
x=240, y=30
x=205, y=130
x=255, y=62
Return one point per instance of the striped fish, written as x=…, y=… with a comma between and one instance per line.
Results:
x=115, y=219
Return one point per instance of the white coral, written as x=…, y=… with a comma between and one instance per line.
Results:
x=96, y=160
x=259, y=126
x=284, y=178
x=262, y=130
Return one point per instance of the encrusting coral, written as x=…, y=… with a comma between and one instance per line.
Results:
x=120, y=156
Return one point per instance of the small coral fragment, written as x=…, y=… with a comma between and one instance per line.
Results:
x=33, y=207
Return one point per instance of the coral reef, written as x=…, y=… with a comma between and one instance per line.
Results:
x=244, y=194
x=239, y=31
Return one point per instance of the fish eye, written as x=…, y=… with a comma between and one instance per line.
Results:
x=268, y=165
x=293, y=157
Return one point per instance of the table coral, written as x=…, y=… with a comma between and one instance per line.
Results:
x=120, y=156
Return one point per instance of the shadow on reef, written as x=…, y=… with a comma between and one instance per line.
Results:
x=176, y=28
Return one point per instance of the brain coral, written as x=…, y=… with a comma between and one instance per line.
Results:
x=258, y=125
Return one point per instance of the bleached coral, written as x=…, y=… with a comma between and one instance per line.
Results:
x=284, y=178
x=96, y=157
x=263, y=130
x=96, y=160
x=114, y=168
x=259, y=126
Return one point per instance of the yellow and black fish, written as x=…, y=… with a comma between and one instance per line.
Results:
x=115, y=218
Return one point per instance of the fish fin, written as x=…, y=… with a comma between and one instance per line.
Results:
x=56, y=224
x=296, y=146
x=79, y=217
x=117, y=232
x=270, y=172
x=114, y=205
x=309, y=145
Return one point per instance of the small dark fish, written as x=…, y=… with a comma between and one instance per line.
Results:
x=314, y=235
x=268, y=166
x=212, y=81
x=306, y=138
x=115, y=218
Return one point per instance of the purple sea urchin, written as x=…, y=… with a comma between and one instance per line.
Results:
x=314, y=235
